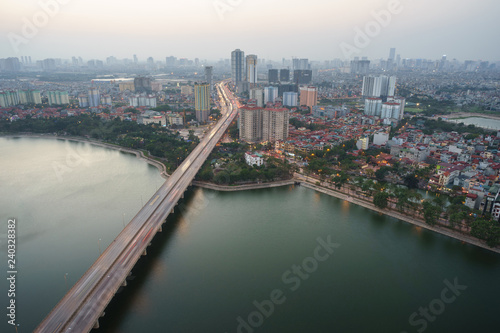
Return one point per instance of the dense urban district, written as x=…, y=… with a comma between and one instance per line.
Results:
x=386, y=132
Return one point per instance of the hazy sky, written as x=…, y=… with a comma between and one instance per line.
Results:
x=272, y=29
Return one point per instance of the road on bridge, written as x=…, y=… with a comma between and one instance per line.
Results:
x=80, y=309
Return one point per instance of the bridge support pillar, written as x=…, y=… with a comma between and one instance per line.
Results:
x=96, y=325
x=144, y=253
x=160, y=229
x=124, y=284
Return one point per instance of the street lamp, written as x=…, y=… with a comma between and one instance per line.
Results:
x=99, y=244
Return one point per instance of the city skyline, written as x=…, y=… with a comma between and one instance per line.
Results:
x=212, y=29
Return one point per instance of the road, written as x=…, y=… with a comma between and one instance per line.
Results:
x=80, y=309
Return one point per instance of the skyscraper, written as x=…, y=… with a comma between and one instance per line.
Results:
x=170, y=61
x=360, y=66
x=379, y=86
x=270, y=94
x=208, y=76
x=142, y=84
x=284, y=75
x=302, y=76
x=202, y=101
x=392, y=54
x=94, y=97
x=309, y=96
x=237, y=66
x=290, y=98
x=263, y=124
x=251, y=62
x=272, y=77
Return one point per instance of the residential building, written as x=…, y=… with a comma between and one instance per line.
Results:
x=142, y=100
x=258, y=96
x=284, y=75
x=254, y=159
x=58, y=97
x=270, y=94
x=309, y=96
x=379, y=86
x=208, y=76
x=94, y=97
x=290, y=98
x=237, y=66
x=29, y=97
x=202, y=101
x=263, y=124
x=272, y=76
x=251, y=70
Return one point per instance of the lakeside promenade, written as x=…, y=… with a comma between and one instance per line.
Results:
x=306, y=181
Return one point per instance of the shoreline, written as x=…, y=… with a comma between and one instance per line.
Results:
x=304, y=181
x=138, y=153
x=462, y=115
x=246, y=187
x=403, y=217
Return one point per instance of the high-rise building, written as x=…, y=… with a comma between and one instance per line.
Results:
x=151, y=63
x=237, y=66
x=258, y=96
x=171, y=62
x=250, y=123
x=360, y=66
x=58, y=97
x=9, y=98
x=392, y=54
x=290, y=98
x=270, y=94
x=251, y=62
x=11, y=65
x=106, y=100
x=263, y=124
x=83, y=101
x=135, y=59
x=283, y=88
x=272, y=77
x=275, y=124
x=300, y=64
x=284, y=75
x=94, y=97
x=127, y=85
x=29, y=97
x=142, y=100
x=202, y=101
x=373, y=106
x=142, y=84
x=379, y=86
x=208, y=76
x=302, y=76
x=309, y=96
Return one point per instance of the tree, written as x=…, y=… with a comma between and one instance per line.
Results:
x=380, y=200
x=431, y=213
x=381, y=173
x=411, y=180
x=222, y=177
x=486, y=229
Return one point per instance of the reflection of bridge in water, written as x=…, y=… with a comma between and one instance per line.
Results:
x=80, y=309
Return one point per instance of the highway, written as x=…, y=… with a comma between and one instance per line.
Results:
x=80, y=309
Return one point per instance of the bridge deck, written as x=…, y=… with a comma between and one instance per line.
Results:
x=80, y=309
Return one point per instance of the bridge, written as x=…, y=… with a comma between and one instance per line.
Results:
x=80, y=309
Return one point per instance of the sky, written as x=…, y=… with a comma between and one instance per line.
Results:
x=272, y=29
